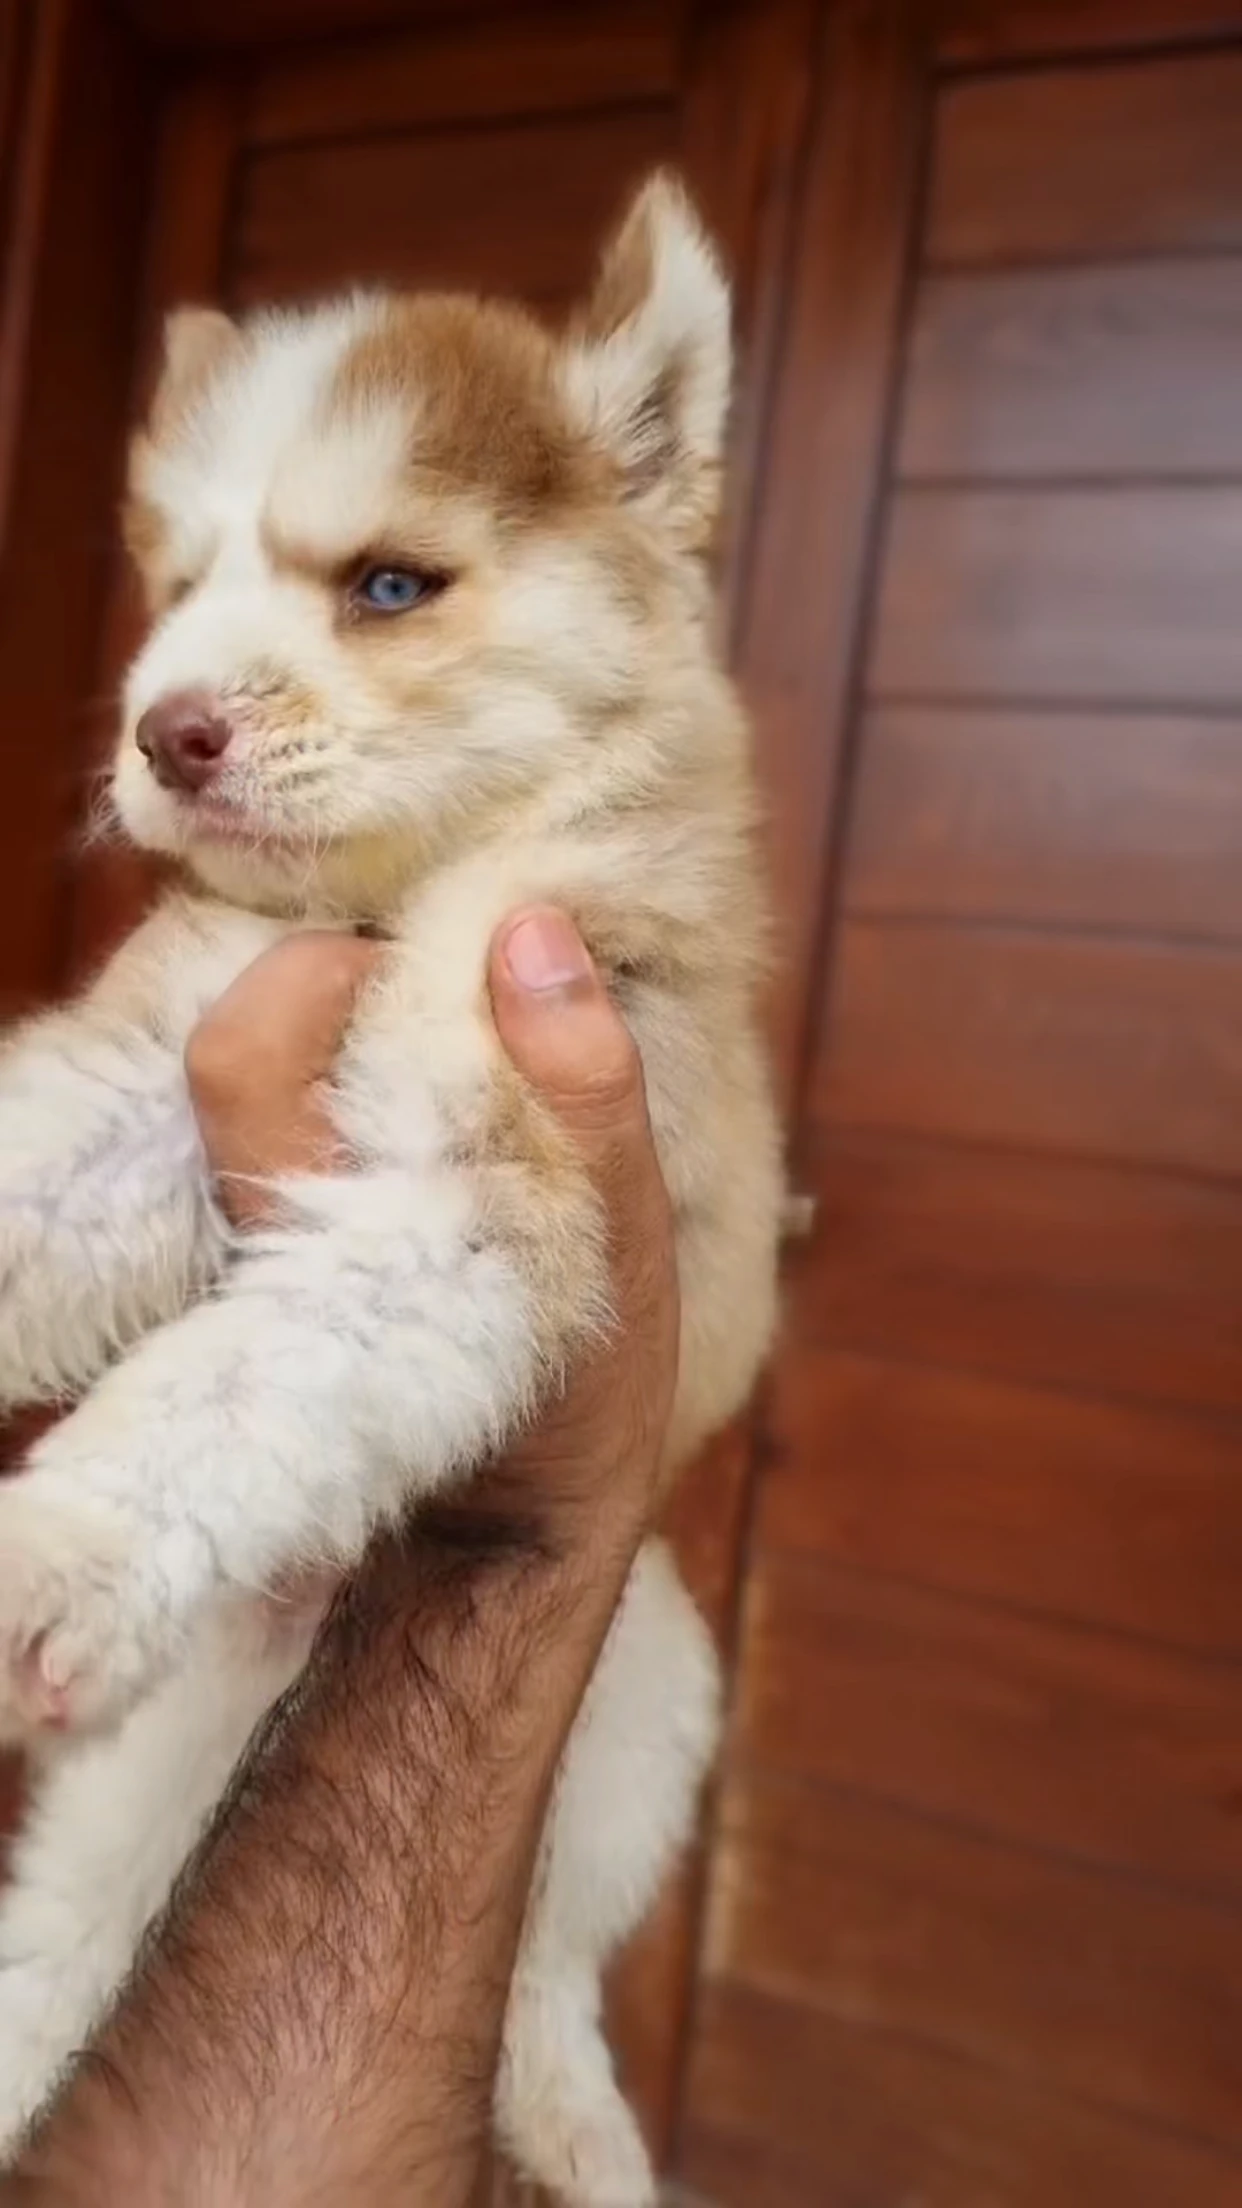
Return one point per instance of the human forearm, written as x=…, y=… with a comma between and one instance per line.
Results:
x=319, y=2020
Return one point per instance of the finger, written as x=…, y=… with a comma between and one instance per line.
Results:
x=278, y=1027
x=565, y=1035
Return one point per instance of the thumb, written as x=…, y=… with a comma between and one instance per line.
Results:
x=562, y=1031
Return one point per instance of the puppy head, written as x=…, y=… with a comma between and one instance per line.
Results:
x=405, y=557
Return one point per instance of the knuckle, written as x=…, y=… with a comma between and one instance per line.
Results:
x=611, y=1087
x=216, y=1063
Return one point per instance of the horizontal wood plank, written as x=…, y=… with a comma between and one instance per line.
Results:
x=1120, y=1995
x=789, y=2107
x=1105, y=820
x=1088, y=1745
x=190, y=26
x=1088, y=1510
x=1140, y=157
x=992, y=31
x=1126, y=595
x=533, y=64
x=1026, y=1267
x=1106, y=1049
x=1135, y=369
x=511, y=209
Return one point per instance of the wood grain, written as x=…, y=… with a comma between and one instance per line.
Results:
x=1032, y=1268
x=1052, y=1502
x=35, y=44
x=1128, y=594
x=789, y=2107
x=1123, y=1997
x=999, y=31
x=81, y=207
x=196, y=30
x=1109, y=1049
x=510, y=209
x=1083, y=163
x=743, y=129
x=1134, y=369
x=193, y=168
x=1099, y=820
x=534, y=62
x=1081, y=1743
x=798, y=617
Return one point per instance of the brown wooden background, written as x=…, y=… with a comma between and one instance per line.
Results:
x=967, y=1928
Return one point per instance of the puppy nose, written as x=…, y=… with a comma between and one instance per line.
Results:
x=184, y=736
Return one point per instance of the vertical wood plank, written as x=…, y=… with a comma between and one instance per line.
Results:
x=803, y=601
x=183, y=264
x=747, y=106
x=745, y=113
x=32, y=52
x=70, y=279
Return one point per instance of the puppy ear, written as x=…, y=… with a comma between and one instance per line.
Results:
x=198, y=342
x=648, y=361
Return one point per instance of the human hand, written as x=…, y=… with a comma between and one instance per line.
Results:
x=258, y=1066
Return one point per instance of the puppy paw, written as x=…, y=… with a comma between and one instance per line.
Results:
x=80, y=1636
x=561, y=2114
x=589, y=2155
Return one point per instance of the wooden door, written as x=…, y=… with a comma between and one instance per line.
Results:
x=974, y=1935
x=968, y=1929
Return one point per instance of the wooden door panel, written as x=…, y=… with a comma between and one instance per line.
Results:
x=994, y=32
x=1104, y=820
x=1134, y=369
x=1120, y=595
x=1106, y=1750
x=508, y=209
x=1134, y=158
x=999, y=1954
x=538, y=60
x=1107, y=1049
x=1085, y=1275
x=791, y=2107
x=72, y=208
x=1062, y=1504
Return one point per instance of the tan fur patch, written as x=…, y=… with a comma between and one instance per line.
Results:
x=489, y=420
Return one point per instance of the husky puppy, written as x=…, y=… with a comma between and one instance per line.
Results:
x=431, y=638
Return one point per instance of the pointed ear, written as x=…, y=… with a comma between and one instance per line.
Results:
x=198, y=341
x=648, y=361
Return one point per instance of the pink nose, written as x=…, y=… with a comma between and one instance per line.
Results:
x=184, y=736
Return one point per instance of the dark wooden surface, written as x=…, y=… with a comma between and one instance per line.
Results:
x=971, y=1935
x=1066, y=165
x=993, y=813
x=963, y=1929
x=1019, y=373
x=68, y=259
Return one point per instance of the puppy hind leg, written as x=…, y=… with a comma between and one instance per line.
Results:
x=624, y=1807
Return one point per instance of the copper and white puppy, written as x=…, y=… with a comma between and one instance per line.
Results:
x=431, y=638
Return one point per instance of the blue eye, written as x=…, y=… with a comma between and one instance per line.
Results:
x=393, y=589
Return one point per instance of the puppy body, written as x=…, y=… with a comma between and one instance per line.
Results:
x=433, y=585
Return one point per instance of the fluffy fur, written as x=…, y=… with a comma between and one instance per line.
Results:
x=548, y=723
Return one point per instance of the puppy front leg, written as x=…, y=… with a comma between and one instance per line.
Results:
x=106, y=1219
x=371, y=1350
